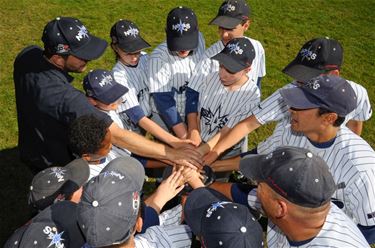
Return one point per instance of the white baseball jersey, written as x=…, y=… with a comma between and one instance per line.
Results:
x=274, y=108
x=135, y=79
x=219, y=107
x=337, y=231
x=170, y=73
x=351, y=161
x=207, y=65
x=164, y=237
x=171, y=217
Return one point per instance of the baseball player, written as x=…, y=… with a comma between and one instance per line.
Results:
x=109, y=212
x=171, y=65
x=233, y=19
x=317, y=56
x=130, y=71
x=295, y=189
x=225, y=97
x=317, y=110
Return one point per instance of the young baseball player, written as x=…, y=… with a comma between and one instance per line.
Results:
x=90, y=139
x=218, y=222
x=318, y=109
x=317, y=56
x=171, y=65
x=225, y=97
x=58, y=183
x=131, y=71
x=109, y=212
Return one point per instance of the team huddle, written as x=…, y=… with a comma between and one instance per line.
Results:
x=311, y=183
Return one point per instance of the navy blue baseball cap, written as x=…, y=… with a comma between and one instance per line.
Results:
x=316, y=57
x=101, y=85
x=182, y=29
x=219, y=222
x=237, y=55
x=231, y=13
x=110, y=203
x=127, y=36
x=329, y=92
x=296, y=174
x=67, y=35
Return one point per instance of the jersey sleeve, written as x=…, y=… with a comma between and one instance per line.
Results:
x=166, y=106
x=171, y=236
x=159, y=74
x=171, y=217
x=363, y=112
x=273, y=108
x=192, y=100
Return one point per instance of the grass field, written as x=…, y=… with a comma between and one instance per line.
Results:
x=282, y=26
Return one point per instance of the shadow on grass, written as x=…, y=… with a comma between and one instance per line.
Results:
x=15, y=178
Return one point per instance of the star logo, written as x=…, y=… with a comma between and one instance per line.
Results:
x=235, y=48
x=82, y=33
x=307, y=54
x=228, y=7
x=313, y=84
x=106, y=80
x=214, y=120
x=132, y=31
x=214, y=206
x=181, y=27
x=54, y=236
x=58, y=173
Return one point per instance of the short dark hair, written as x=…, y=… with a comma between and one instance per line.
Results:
x=339, y=119
x=86, y=134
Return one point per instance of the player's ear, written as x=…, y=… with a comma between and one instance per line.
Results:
x=139, y=224
x=281, y=208
x=92, y=101
x=246, y=25
x=58, y=60
x=330, y=118
x=334, y=72
x=247, y=69
x=86, y=157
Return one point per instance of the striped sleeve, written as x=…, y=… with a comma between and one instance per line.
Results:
x=363, y=112
x=171, y=217
x=159, y=73
x=164, y=237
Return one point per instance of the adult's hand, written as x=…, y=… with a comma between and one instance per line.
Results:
x=210, y=157
x=186, y=156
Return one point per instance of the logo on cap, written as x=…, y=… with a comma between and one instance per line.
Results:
x=307, y=54
x=131, y=31
x=135, y=200
x=181, y=27
x=82, y=33
x=54, y=236
x=313, y=84
x=235, y=48
x=228, y=7
x=59, y=173
x=62, y=48
x=113, y=174
x=214, y=207
x=107, y=80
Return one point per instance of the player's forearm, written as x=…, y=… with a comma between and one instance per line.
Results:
x=239, y=131
x=180, y=130
x=193, y=128
x=153, y=128
x=209, y=145
x=355, y=126
x=224, y=188
x=138, y=144
x=229, y=164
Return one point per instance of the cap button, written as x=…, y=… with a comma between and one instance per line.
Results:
x=95, y=204
x=243, y=229
x=58, y=18
x=309, y=155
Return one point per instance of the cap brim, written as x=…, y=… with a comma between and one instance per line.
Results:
x=128, y=166
x=134, y=46
x=197, y=203
x=79, y=174
x=186, y=42
x=297, y=98
x=229, y=63
x=111, y=96
x=301, y=72
x=225, y=22
x=251, y=166
x=92, y=50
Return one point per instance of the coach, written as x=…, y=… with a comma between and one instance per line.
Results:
x=47, y=103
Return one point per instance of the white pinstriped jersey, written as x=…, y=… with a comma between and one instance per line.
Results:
x=274, y=107
x=219, y=107
x=168, y=72
x=207, y=65
x=135, y=79
x=351, y=161
x=338, y=231
x=171, y=217
x=164, y=237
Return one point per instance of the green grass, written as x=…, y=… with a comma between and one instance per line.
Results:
x=282, y=26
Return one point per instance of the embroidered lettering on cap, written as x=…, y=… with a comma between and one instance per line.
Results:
x=307, y=54
x=59, y=173
x=107, y=80
x=235, y=48
x=82, y=33
x=132, y=31
x=181, y=27
x=228, y=7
